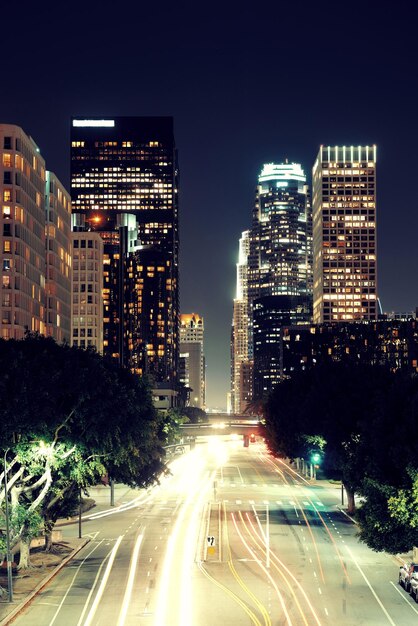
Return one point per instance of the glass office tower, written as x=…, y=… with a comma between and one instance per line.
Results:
x=344, y=234
x=124, y=184
x=279, y=268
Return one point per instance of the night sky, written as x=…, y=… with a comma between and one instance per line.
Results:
x=246, y=86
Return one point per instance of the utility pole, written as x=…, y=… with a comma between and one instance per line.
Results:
x=267, y=537
x=8, y=555
x=79, y=516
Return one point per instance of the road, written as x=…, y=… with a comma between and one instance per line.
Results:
x=233, y=537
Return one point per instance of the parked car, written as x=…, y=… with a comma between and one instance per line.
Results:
x=406, y=571
x=413, y=586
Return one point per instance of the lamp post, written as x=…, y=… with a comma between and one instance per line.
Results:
x=8, y=555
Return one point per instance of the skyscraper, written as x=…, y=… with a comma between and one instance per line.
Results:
x=192, y=358
x=124, y=182
x=279, y=235
x=344, y=234
x=279, y=270
x=241, y=366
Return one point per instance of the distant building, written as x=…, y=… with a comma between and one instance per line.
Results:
x=270, y=315
x=192, y=359
x=241, y=383
x=148, y=315
x=344, y=234
x=87, y=288
x=35, y=239
x=390, y=342
x=124, y=185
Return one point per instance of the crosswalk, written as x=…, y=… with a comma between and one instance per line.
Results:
x=281, y=503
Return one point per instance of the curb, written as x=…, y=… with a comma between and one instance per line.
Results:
x=9, y=618
x=346, y=514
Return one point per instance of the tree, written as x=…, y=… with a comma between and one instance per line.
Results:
x=333, y=403
x=73, y=415
x=384, y=525
x=173, y=419
x=194, y=415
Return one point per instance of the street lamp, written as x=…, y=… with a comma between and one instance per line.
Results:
x=8, y=555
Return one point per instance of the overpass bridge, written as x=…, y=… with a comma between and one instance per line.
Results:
x=223, y=424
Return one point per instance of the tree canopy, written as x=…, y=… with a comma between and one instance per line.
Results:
x=361, y=418
x=68, y=416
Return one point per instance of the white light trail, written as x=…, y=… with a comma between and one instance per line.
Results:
x=129, y=585
x=103, y=583
x=72, y=582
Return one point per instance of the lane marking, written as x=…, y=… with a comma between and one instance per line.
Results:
x=72, y=581
x=390, y=620
x=103, y=583
x=402, y=594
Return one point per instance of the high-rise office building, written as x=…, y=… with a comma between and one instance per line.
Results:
x=87, y=290
x=279, y=273
x=344, y=234
x=124, y=185
x=192, y=358
x=35, y=239
x=279, y=235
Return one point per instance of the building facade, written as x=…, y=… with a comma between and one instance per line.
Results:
x=124, y=185
x=58, y=259
x=35, y=238
x=344, y=234
x=279, y=235
x=270, y=315
x=87, y=290
x=192, y=358
x=23, y=234
x=388, y=342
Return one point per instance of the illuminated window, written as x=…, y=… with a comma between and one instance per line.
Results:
x=7, y=160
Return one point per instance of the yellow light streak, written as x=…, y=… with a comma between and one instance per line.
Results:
x=230, y=593
x=276, y=558
x=265, y=570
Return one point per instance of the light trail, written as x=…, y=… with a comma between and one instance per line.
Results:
x=93, y=587
x=263, y=610
x=274, y=556
x=192, y=532
x=332, y=541
x=265, y=570
x=163, y=597
x=72, y=582
x=104, y=580
x=129, y=585
x=238, y=600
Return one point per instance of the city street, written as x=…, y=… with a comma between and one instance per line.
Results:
x=234, y=536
